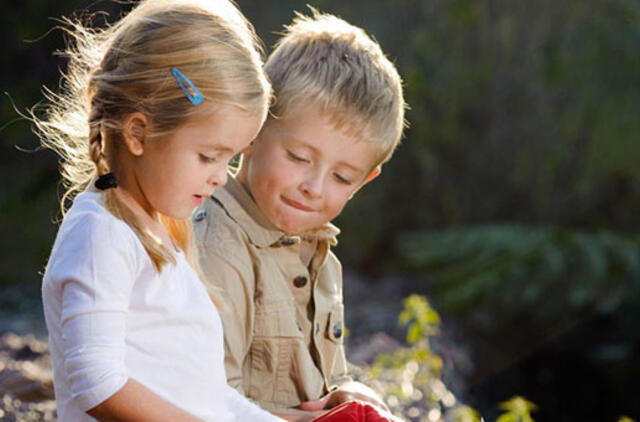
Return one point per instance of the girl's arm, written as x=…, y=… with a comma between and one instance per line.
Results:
x=244, y=409
x=135, y=402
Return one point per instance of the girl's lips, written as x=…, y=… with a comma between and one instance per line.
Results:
x=197, y=199
x=296, y=204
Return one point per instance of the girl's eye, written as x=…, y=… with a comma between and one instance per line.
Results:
x=206, y=159
x=341, y=179
x=295, y=157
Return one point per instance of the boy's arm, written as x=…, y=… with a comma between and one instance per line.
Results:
x=231, y=281
x=347, y=392
x=344, y=389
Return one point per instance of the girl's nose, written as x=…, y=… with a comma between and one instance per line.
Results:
x=219, y=177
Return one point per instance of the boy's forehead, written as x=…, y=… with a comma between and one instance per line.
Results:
x=311, y=115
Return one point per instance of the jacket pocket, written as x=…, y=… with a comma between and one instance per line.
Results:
x=278, y=345
x=276, y=320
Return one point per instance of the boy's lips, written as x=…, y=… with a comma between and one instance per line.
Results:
x=296, y=204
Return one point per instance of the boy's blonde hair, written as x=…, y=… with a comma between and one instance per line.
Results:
x=126, y=68
x=323, y=61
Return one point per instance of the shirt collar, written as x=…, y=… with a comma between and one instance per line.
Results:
x=240, y=206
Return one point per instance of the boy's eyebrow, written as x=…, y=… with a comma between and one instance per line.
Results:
x=315, y=150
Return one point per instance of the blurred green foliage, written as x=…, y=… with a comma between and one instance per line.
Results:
x=410, y=378
x=466, y=414
x=520, y=111
x=516, y=287
x=422, y=320
x=517, y=409
x=511, y=267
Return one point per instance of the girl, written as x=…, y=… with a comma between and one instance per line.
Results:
x=153, y=109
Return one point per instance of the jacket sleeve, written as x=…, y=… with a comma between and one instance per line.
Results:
x=340, y=370
x=332, y=272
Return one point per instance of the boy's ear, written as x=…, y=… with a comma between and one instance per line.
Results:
x=247, y=150
x=374, y=173
x=134, y=132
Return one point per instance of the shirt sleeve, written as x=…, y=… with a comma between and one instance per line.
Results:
x=232, y=282
x=244, y=409
x=95, y=271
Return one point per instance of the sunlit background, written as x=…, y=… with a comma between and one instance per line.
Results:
x=512, y=205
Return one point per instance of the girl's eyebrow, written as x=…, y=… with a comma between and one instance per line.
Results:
x=217, y=148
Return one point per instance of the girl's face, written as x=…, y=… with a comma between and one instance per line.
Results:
x=173, y=174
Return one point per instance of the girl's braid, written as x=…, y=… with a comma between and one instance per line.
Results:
x=96, y=147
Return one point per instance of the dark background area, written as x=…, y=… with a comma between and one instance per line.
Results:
x=513, y=202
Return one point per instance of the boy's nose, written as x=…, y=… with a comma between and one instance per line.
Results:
x=312, y=186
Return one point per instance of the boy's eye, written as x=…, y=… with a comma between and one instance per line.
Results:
x=206, y=159
x=341, y=179
x=296, y=157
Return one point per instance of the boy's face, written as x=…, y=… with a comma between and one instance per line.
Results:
x=301, y=171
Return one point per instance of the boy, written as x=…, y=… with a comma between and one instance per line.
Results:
x=264, y=238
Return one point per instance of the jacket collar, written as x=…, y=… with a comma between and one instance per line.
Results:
x=241, y=207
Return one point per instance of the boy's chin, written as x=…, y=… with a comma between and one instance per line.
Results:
x=293, y=229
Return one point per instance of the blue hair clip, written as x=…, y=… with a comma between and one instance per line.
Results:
x=194, y=95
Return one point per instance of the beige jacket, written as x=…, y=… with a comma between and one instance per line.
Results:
x=281, y=300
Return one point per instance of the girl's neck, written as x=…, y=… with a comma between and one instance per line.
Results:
x=150, y=219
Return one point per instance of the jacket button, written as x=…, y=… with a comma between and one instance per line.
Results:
x=287, y=242
x=200, y=215
x=300, y=281
x=337, y=330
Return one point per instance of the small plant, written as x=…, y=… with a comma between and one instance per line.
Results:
x=518, y=409
x=466, y=414
x=410, y=377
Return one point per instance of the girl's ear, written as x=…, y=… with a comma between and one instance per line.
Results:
x=134, y=132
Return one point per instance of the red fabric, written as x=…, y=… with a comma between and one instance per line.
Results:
x=353, y=411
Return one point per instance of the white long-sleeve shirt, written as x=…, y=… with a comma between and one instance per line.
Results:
x=112, y=317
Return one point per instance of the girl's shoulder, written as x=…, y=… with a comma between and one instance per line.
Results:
x=89, y=218
x=89, y=230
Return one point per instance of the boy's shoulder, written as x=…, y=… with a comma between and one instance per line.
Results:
x=231, y=219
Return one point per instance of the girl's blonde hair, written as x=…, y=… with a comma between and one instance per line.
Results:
x=126, y=68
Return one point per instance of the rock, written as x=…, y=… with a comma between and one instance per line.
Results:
x=26, y=379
